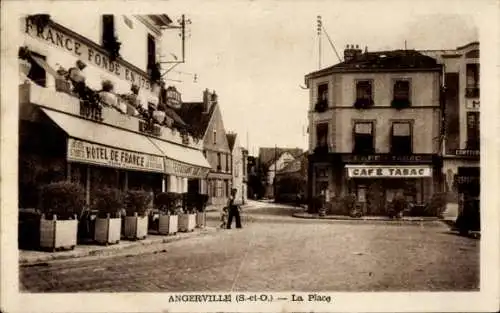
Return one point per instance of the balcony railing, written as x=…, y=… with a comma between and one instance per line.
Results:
x=321, y=106
x=400, y=103
x=363, y=103
x=149, y=127
x=472, y=92
x=90, y=111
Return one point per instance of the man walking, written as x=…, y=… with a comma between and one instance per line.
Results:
x=233, y=210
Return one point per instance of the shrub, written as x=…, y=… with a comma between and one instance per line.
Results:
x=349, y=203
x=137, y=201
x=436, y=205
x=107, y=86
x=64, y=199
x=108, y=200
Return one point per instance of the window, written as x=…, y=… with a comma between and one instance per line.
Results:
x=364, y=94
x=108, y=29
x=473, y=130
x=205, y=153
x=227, y=162
x=37, y=73
x=322, y=136
x=219, y=166
x=401, y=94
x=215, y=137
x=401, y=140
x=322, y=98
x=472, y=80
x=363, y=138
x=151, y=51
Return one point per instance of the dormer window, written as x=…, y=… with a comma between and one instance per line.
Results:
x=364, y=94
x=322, y=98
x=401, y=94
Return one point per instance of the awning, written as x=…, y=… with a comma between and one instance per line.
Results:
x=104, y=145
x=182, y=161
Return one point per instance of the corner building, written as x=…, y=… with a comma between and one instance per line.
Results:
x=374, y=128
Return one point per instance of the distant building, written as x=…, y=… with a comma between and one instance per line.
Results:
x=272, y=160
x=205, y=122
x=238, y=169
x=375, y=124
x=461, y=149
x=291, y=181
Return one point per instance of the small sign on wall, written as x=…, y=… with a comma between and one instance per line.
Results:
x=472, y=104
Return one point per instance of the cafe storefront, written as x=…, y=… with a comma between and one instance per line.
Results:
x=375, y=179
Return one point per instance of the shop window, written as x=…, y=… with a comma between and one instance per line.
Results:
x=472, y=80
x=473, y=131
x=363, y=138
x=37, y=73
x=219, y=164
x=322, y=98
x=322, y=137
x=401, y=139
x=401, y=94
x=151, y=52
x=364, y=94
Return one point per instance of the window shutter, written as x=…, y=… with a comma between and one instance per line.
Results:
x=363, y=128
x=401, y=129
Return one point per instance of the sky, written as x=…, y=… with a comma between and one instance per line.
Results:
x=256, y=58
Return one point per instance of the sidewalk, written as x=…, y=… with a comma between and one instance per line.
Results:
x=306, y=215
x=152, y=244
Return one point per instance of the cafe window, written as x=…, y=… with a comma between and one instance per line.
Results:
x=401, y=139
x=37, y=73
x=364, y=93
x=363, y=138
x=322, y=135
x=151, y=52
x=401, y=93
x=473, y=130
x=472, y=80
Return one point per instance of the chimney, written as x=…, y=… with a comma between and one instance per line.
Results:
x=351, y=52
x=206, y=101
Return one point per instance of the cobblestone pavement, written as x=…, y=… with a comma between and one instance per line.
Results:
x=278, y=255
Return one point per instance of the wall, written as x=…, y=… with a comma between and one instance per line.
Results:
x=238, y=171
x=424, y=93
x=278, y=165
x=221, y=144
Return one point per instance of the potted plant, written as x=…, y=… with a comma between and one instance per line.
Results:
x=108, y=202
x=136, y=220
x=59, y=203
x=168, y=220
x=201, y=215
x=187, y=219
x=106, y=94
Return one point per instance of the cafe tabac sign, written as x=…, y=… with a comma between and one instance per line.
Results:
x=89, y=52
x=359, y=171
x=176, y=168
x=91, y=153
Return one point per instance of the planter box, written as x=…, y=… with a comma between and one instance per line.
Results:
x=168, y=224
x=107, y=230
x=187, y=222
x=135, y=227
x=56, y=234
x=201, y=219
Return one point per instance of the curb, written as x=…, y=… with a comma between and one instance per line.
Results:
x=348, y=218
x=149, y=245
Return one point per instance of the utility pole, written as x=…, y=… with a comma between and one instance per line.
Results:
x=275, y=168
x=320, y=24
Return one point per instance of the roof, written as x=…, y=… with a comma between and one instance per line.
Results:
x=231, y=139
x=171, y=112
x=269, y=155
x=296, y=165
x=382, y=61
x=192, y=113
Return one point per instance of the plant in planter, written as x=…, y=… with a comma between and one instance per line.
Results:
x=201, y=215
x=397, y=206
x=106, y=94
x=136, y=220
x=59, y=203
x=169, y=219
x=187, y=219
x=108, y=202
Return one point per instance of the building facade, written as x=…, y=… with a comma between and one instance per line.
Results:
x=238, y=156
x=461, y=141
x=375, y=124
x=272, y=160
x=205, y=121
x=92, y=108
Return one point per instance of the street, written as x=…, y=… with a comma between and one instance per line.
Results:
x=277, y=252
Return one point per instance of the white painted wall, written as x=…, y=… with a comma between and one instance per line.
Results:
x=283, y=159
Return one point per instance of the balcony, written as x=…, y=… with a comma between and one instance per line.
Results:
x=63, y=100
x=321, y=106
x=472, y=92
x=363, y=103
x=400, y=104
